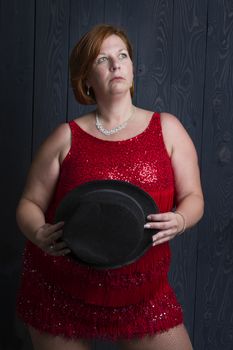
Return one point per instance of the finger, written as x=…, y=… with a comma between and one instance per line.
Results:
x=61, y=252
x=162, y=235
x=55, y=236
x=163, y=239
x=53, y=228
x=48, y=242
x=59, y=246
x=56, y=247
x=161, y=217
x=58, y=225
x=49, y=248
x=161, y=225
x=166, y=239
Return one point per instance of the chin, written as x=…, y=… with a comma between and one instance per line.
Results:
x=119, y=90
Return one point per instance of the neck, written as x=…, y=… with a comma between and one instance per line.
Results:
x=115, y=111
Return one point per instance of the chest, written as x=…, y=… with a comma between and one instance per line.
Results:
x=143, y=164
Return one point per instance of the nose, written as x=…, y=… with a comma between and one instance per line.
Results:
x=114, y=65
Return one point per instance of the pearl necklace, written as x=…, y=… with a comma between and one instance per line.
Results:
x=117, y=128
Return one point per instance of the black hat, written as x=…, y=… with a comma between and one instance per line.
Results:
x=104, y=222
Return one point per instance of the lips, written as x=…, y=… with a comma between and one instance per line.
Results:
x=117, y=78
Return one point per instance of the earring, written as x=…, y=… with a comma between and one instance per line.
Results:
x=88, y=91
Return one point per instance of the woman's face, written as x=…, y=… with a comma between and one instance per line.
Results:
x=112, y=70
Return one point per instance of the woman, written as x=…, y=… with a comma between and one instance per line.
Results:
x=64, y=304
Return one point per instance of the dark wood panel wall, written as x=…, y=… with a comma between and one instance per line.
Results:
x=214, y=307
x=183, y=64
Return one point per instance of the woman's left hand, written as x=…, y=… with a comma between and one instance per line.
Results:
x=168, y=225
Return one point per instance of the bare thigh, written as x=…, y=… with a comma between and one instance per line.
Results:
x=44, y=341
x=176, y=338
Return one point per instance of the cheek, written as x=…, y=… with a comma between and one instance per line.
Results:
x=130, y=68
x=131, y=72
x=102, y=73
x=97, y=78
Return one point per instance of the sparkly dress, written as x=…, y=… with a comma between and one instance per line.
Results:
x=61, y=297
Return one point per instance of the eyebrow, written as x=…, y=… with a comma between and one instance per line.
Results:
x=103, y=53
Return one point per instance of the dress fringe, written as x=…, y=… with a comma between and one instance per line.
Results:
x=98, y=322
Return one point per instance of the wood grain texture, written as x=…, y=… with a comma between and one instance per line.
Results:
x=84, y=14
x=154, y=53
x=51, y=67
x=214, y=311
x=16, y=91
x=186, y=102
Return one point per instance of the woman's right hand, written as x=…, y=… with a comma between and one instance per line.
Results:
x=46, y=237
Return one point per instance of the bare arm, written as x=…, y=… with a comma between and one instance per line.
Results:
x=39, y=188
x=189, y=196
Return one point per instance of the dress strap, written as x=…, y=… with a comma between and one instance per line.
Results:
x=73, y=126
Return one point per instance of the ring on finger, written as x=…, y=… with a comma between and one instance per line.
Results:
x=51, y=247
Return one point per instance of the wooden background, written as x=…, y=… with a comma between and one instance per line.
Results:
x=183, y=59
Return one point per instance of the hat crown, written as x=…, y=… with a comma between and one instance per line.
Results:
x=104, y=222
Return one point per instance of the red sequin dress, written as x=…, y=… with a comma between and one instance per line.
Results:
x=60, y=296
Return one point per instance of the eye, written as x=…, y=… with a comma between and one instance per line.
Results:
x=101, y=59
x=123, y=55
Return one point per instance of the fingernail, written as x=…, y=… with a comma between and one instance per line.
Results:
x=147, y=226
x=60, y=223
x=67, y=252
x=149, y=217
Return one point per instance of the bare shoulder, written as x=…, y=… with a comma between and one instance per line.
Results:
x=175, y=134
x=172, y=128
x=56, y=145
x=168, y=120
x=59, y=137
x=62, y=130
x=84, y=120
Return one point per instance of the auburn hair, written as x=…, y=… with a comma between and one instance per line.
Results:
x=84, y=54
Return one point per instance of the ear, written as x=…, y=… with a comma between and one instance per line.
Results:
x=88, y=85
x=88, y=81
